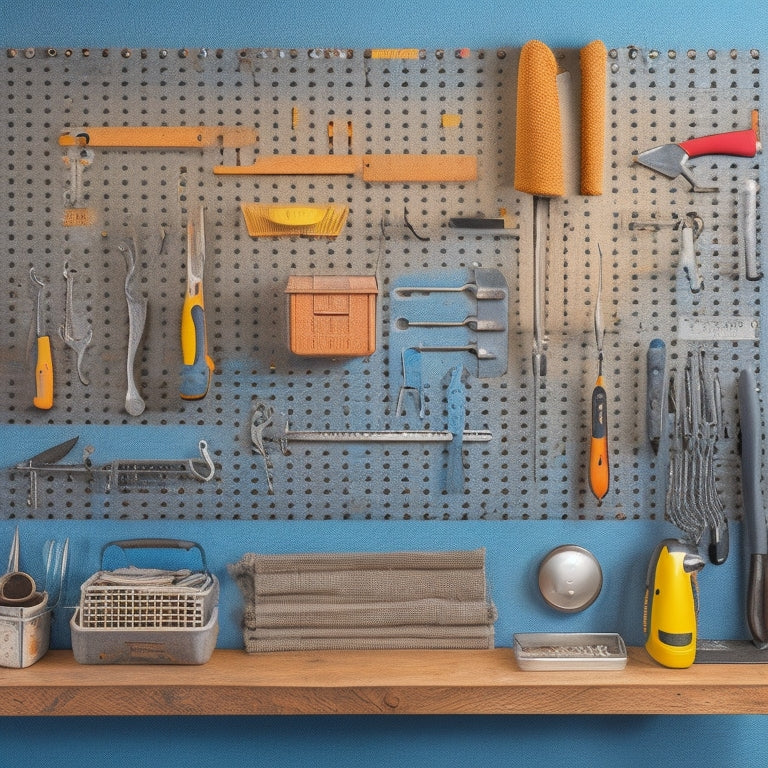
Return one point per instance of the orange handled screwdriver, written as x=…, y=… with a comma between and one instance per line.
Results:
x=599, y=468
x=43, y=398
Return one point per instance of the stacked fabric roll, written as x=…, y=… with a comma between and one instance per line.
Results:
x=365, y=600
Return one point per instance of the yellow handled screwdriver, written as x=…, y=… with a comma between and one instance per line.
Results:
x=43, y=398
x=599, y=468
x=198, y=366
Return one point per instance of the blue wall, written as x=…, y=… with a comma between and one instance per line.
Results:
x=513, y=548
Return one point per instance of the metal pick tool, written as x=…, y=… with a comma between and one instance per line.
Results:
x=137, y=315
x=67, y=331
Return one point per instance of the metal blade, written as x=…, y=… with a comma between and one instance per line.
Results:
x=668, y=159
x=50, y=455
x=195, y=251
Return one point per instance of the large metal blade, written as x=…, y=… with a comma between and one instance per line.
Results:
x=50, y=455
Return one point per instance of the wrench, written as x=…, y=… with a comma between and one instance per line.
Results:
x=472, y=322
x=67, y=331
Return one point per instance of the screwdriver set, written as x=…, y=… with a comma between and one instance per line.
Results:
x=549, y=320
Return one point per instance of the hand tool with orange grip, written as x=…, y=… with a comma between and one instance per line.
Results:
x=43, y=398
x=599, y=466
x=670, y=159
x=539, y=172
x=197, y=364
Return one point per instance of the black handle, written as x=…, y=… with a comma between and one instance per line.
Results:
x=719, y=540
x=756, y=598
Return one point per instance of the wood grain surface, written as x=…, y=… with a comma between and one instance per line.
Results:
x=377, y=682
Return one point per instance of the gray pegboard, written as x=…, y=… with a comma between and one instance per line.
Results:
x=393, y=105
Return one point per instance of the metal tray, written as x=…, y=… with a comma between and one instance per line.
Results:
x=569, y=650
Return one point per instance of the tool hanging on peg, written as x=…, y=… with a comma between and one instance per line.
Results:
x=539, y=172
x=197, y=364
x=137, y=316
x=748, y=228
x=43, y=398
x=690, y=229
x=599, y=465
x=670, y=159
x=69, y=335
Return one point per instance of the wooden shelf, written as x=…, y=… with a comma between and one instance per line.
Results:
x=377, y=682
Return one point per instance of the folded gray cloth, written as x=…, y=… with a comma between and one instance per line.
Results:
x=390, y=614
x=412, y=630
x=272, y=644
x=351, y=561
x=369, y=585
x=344, y=601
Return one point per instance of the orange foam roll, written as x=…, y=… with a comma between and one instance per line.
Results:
x=593, y=58
x=538, y=139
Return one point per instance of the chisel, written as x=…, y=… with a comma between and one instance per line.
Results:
x=538, y=172
x=43, y=398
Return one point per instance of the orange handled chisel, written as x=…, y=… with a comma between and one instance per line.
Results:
x=599, y=467
x=43, y=398
x=197, y=365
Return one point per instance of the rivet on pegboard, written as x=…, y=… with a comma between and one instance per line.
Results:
x=691, y=54
x=712, y=53
x=29, y=53
x=11, y=53
x=125, y=53
x=51, y=52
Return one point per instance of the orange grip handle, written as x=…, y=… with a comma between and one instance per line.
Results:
x=43, y=398
x=599, y=468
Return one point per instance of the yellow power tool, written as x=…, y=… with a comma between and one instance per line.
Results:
x=671, y=604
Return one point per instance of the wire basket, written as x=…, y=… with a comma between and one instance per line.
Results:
x=144, y=616
x=107, y=606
